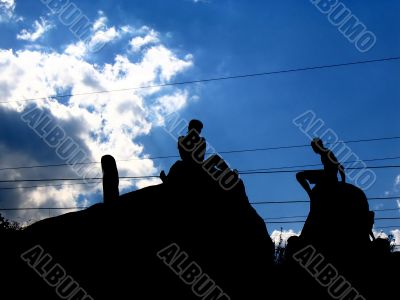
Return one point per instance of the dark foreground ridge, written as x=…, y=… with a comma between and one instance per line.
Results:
x=111, y=249
x=188, y=238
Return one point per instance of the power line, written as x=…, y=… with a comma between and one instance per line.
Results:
x=48, y=185
x=296, y=217
x=384, y=198
x=227, y=152
x=300, y=222
x=156, y=176
x=43, y=208
x=305, y=201
x=387, y=209
x=308, y=145
x=55, y=185
x=319, y=164
x=83, y=163
x=285, y=222
x=310, y=68
x=377, y=210
x=75, y=179
x=283, y=218
x=255, y=172
x=387, y=227
x=278, y=202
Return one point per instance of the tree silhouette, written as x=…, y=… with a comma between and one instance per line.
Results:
x=7, y=226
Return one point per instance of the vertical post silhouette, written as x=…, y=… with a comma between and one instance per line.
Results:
x=110, y=179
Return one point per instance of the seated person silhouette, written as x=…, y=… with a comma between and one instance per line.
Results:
x=192, y=147
x=328, y=174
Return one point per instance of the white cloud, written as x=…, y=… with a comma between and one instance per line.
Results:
x=78, y=50
x=278, y=236
x=7, y=8
x=101, y=22
x=40, y=27
x=396, y=235
x=103, y=34
x=138, y=42
x=105, y=123
x=397, y=181
x=379, y=234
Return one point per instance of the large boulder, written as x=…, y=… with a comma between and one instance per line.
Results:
x=339, y=214
x=111, y=249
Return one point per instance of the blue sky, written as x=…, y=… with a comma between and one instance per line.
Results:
x=210, y=39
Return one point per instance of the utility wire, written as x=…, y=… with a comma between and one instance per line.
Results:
x=254, y=172
x=308, y=145
x=246, y=172
x=387, y=227
x=299, y=222
x=48, y=185
x=272, y=202
x=55, y=185
x=319, y=164
x=297, y=217
x=155, y=176
x=43, y=208
x=226, y=152
x=305, y=201
x=310, y=68
x=76, y=179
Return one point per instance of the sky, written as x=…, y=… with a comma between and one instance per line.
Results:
x=151, y=42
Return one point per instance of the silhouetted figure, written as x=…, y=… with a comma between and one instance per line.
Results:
x=192, y=147
x=110, y=179
x=328, y=174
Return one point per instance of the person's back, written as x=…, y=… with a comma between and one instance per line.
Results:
x=330, y=163
x=192, y=150
x=327, y=175
x=192, y=147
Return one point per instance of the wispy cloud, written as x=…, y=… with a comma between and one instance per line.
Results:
x=102, y=33
x=138, y=42
x=39, y=28
x=7, y=10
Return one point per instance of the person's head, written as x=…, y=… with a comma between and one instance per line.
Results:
x=196, y=125
x=317, y=145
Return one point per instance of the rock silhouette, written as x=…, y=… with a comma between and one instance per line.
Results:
x=335, y=209
x=339, y=228
x=111, y=249
x=191, y=238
